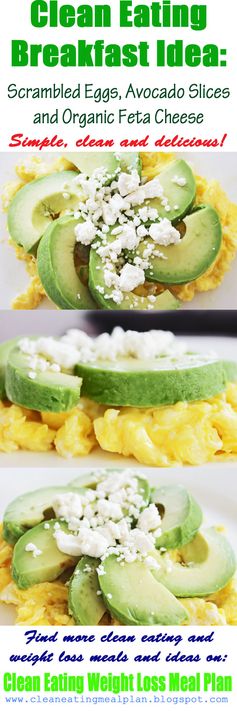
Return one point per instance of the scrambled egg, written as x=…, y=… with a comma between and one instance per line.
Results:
x=207, y=192
x=71, y=434
x=185, y=433
x=47, y=603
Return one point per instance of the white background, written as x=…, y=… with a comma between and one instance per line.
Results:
x=16, y=116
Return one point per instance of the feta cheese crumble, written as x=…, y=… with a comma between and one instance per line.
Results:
x=118, y=208
x=178, y=180
x=45, y=352
x=85, y=232
x=149, y=519
x=127, y=183
x=77, y=347
x=130, y=277
x=110, y=519
x=164, y=233
x=31, y=548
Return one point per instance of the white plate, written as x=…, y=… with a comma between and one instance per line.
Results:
x=221, y=166
x=215, y=489
x=224, y=347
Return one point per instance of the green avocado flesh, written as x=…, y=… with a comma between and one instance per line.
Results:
x=30, y=509
x=208, y=563
x=193, y=255
x=56, y=266
x=230, y=369
x=5, y=349
x=49, y=391
x=134, y=597
x=180, y=198
x=90, y=479
x=87, y=163
x=164, y=381
x=38, y=203
x=28, y=570
x=86, y=607
x=181, y=516
x=143, y=489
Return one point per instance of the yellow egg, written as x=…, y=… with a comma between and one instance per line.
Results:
x=76, y=436
x=185, y=433
x=227, y=599
x=56, y=419
x=203, y=613
x=34, y=437
x=231, y=395
x=32, y=297
x=43, y=604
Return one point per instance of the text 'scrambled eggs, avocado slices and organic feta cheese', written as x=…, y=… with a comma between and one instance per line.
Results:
x=107, y=549
x=119, y=231
x=136, y=394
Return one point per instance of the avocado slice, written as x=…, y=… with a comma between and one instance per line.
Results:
x=49, y=391
x=230, y=368
x=28, y=570
x=180, y=197
x=208, y=563
x=103, y=294
x=86, y=607
x=56, y=266
x=130, y=161
x=87, y=163
x=181, y=517
x=38, y=203
x=143, y=489
x=193, y=254
x=89, y=479
x=132, y=597
x=162, y=381
x=5, y=349
x=28, y=510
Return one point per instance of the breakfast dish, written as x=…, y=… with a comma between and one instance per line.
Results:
x=110, y=549
x=119, y=231
x=145, y=395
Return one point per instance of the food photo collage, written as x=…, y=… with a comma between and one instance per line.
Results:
x=118, y=389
